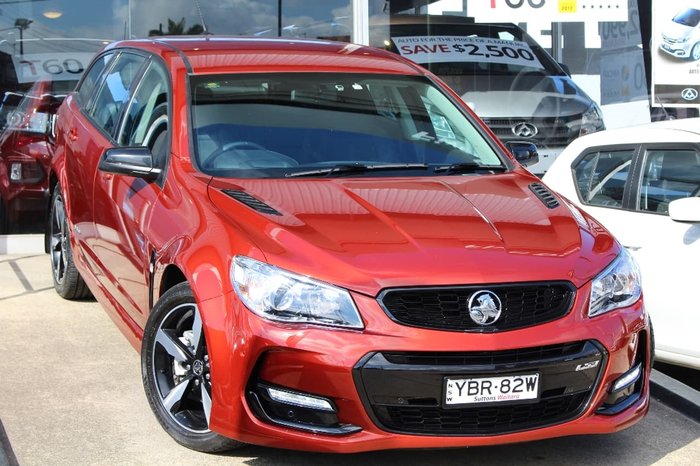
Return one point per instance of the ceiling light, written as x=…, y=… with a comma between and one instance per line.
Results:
x=52, y=14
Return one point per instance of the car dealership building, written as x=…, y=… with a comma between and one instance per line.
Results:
x=612, y=63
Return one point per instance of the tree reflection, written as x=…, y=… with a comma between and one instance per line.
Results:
x=176, y=29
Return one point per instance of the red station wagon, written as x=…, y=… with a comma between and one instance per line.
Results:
x=318, y=246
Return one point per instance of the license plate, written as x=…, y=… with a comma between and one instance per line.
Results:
x=491, y=389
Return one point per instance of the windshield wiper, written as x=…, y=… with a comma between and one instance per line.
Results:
x=358, y=168
x=468, y=167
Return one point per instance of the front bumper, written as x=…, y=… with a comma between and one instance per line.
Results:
x=387, y=404
x=680, y=50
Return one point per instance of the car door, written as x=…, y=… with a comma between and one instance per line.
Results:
x=629, y=190
x=74, y=135
x=123, y=204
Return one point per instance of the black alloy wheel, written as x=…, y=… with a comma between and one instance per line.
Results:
x=176, y=372
x=66, y=279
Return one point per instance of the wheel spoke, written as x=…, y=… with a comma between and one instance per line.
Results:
x=197, y=332
x=206, y=402
x=172, y=346
x=175, y=395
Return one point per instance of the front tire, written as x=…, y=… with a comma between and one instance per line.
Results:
x=66, y=279
x=176, y=374
x=695, y=52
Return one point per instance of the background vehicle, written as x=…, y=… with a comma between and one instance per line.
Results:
x=643, y=184
x=33, y=84
x=511, y=82
x=681, y=38
x=26, y=148
x=242, y=208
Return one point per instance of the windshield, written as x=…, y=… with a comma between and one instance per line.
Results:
x=325, y=124
x=688, y=17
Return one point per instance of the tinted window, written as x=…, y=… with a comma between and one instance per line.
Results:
x=91, y=77
x=668, y=175
x=114, y=92
x=601, y=177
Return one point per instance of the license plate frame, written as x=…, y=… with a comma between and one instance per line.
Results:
x=494, y=384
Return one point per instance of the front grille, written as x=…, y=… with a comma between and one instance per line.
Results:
x=551, y=132
x=472, y=421
x=490, y=358
x=405, y=392
x=446, y=308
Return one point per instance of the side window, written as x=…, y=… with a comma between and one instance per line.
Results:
x=148, y=110
x=601, y=177
x=668, y=175
x=114, y=93
x=91, y=78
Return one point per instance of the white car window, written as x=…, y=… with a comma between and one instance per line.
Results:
x=601, y=177
x=668, y=175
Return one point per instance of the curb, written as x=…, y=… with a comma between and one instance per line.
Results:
x=22, y=244
x=675, y=394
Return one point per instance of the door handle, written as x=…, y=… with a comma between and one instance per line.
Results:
x=73, y=134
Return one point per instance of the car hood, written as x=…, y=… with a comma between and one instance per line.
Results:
x=370, y=234
x=674, y=30
x=525, y=97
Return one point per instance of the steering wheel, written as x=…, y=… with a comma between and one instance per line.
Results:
x=239, y=145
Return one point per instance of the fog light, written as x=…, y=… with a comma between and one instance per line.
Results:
x=628, y=378
x=299, y=399
x=16, y=171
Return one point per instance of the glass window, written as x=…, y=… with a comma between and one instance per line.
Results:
x=148, y=110
x=114, y=92
x=668, y=175
x=177, y=17
x=90, y=80
x=294, y=124
x=601, y=177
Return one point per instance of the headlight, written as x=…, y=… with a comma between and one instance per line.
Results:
x=282, y=296
x=592, y=120
x=619, y=285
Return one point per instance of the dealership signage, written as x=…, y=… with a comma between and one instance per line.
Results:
x=67, y=66
x=434, y=49
x=675, y=52
x=519, y=11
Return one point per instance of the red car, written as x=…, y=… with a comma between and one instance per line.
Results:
x=316, y=245
x=25, y=155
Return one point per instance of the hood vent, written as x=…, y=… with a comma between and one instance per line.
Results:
x=545, y=195
x=252, y=202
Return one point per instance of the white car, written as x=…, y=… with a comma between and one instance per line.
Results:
x=681, y=37
x=643, y=184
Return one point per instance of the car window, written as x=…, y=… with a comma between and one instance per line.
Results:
x=263, y=125
x=91, y=78
x=147, y=109
x=668, y=175
x=601, y=177
x=114, y=92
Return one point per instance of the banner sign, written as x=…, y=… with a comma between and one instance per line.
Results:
x=440, y=49
x=54, y=66
x=675, y=52
x=522, y=11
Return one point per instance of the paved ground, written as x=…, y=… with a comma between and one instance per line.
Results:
x=70, y=394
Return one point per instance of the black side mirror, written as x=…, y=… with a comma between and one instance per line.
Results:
x=132, y=161
x=524, y=152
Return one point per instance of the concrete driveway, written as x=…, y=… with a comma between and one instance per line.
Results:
x=71, y=394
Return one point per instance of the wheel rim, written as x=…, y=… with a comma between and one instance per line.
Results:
x=181, y=368
x=696, y=52
x=59, y=240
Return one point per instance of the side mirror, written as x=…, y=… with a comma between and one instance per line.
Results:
x=566, y=69
x=686, y=210
x=524, y=152
x=132, y=161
